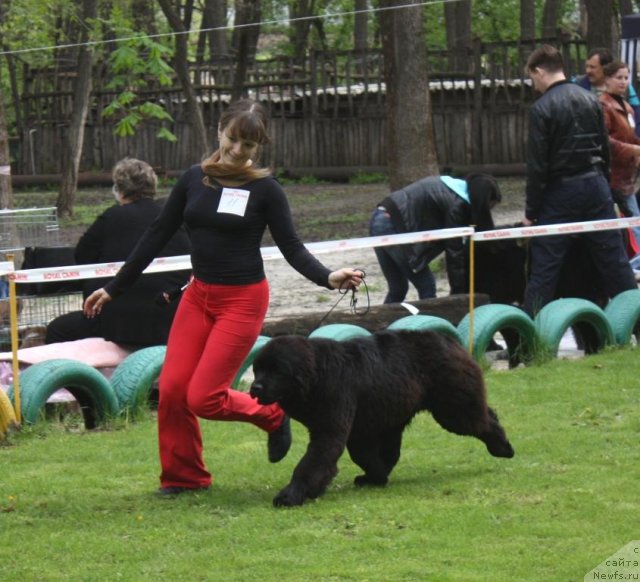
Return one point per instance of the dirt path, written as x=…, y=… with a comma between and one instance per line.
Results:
x=292, y=294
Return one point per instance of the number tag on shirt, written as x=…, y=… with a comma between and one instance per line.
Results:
x=632, y=121
x=233, y=201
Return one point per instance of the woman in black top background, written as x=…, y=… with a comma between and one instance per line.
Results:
x=226, y=203
x=136, y=319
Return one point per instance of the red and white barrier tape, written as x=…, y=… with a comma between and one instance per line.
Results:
x=268, y=253
x=183, y=262
x=564, y=228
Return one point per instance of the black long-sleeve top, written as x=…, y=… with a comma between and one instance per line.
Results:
x=225, y=247
x=113, y=236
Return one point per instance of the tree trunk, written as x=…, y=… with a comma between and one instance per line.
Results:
x=200, y=143
x=626, y=7
x=599, y=24
x=143, y=18
x=550, y=18
x=299, y=29
x=81, y=95
x=360, y=26
x=410, y=144
x=217, y=38
x=213, y=33
x=245, y=42
x=457, y=17
x=527, y=19
x=6, y=193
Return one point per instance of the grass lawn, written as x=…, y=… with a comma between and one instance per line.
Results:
x=79, y=505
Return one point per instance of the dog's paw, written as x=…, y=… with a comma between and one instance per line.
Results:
x=368, y=481
x=289, y=497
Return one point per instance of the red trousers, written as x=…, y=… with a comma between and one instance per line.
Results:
x=214, y=329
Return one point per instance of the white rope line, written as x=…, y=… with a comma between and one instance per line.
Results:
x=163, y=264
x=183, y=262
x=229, y=27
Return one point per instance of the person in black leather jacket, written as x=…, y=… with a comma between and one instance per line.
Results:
x=567, y=180
x=430, y=204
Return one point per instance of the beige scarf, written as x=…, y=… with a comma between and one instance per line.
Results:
x=230, y=174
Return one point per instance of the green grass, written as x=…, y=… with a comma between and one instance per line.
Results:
x=80, y=506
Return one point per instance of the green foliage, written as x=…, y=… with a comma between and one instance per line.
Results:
x=138, y=63
x=80, y=506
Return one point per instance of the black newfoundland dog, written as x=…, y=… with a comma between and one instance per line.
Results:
x=363, y=392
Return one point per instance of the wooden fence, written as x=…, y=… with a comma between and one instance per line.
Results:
x=328, y=113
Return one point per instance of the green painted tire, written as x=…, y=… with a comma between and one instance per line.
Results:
x=260, y=342
x=90, y=388
x=426, y=322
x=7, y=414
x=623, y=313
x=514, y=324
x=588, y=321
x=340, y=332
x=133, y=379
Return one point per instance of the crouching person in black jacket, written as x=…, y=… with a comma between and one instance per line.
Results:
x=432, y=203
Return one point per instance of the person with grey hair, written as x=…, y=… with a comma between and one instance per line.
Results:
x=140, y=318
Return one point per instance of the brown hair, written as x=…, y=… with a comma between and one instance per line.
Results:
x=605, y=56
x=134, y=179
x=244, y=119
x=613, y=67
x=547, y=58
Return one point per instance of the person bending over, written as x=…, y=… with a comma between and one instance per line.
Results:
x=430, y=204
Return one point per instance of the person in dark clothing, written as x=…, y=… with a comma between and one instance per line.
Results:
x=226, y=202
x=139, y=319
x=567, y=180
x=430, y=204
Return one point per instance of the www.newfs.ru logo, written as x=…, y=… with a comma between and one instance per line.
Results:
x=622, y=565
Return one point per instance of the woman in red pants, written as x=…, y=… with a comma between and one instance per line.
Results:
x=226, y=203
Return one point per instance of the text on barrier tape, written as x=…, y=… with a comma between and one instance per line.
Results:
x=553, y=229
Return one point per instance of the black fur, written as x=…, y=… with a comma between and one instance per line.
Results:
x=362, y=393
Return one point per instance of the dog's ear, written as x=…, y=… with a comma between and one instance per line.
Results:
x=305, y=369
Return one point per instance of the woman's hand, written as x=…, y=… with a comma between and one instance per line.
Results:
x=95, y=302
x=346, y=278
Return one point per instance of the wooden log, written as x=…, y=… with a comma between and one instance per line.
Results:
x=452, y=308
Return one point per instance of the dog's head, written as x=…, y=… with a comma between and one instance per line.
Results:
x=283, y=370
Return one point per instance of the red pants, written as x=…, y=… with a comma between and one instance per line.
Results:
x=214, y=329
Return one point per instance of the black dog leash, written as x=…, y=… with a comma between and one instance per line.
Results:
x=353, y=306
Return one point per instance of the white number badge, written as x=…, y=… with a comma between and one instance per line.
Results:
x=233, y=201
